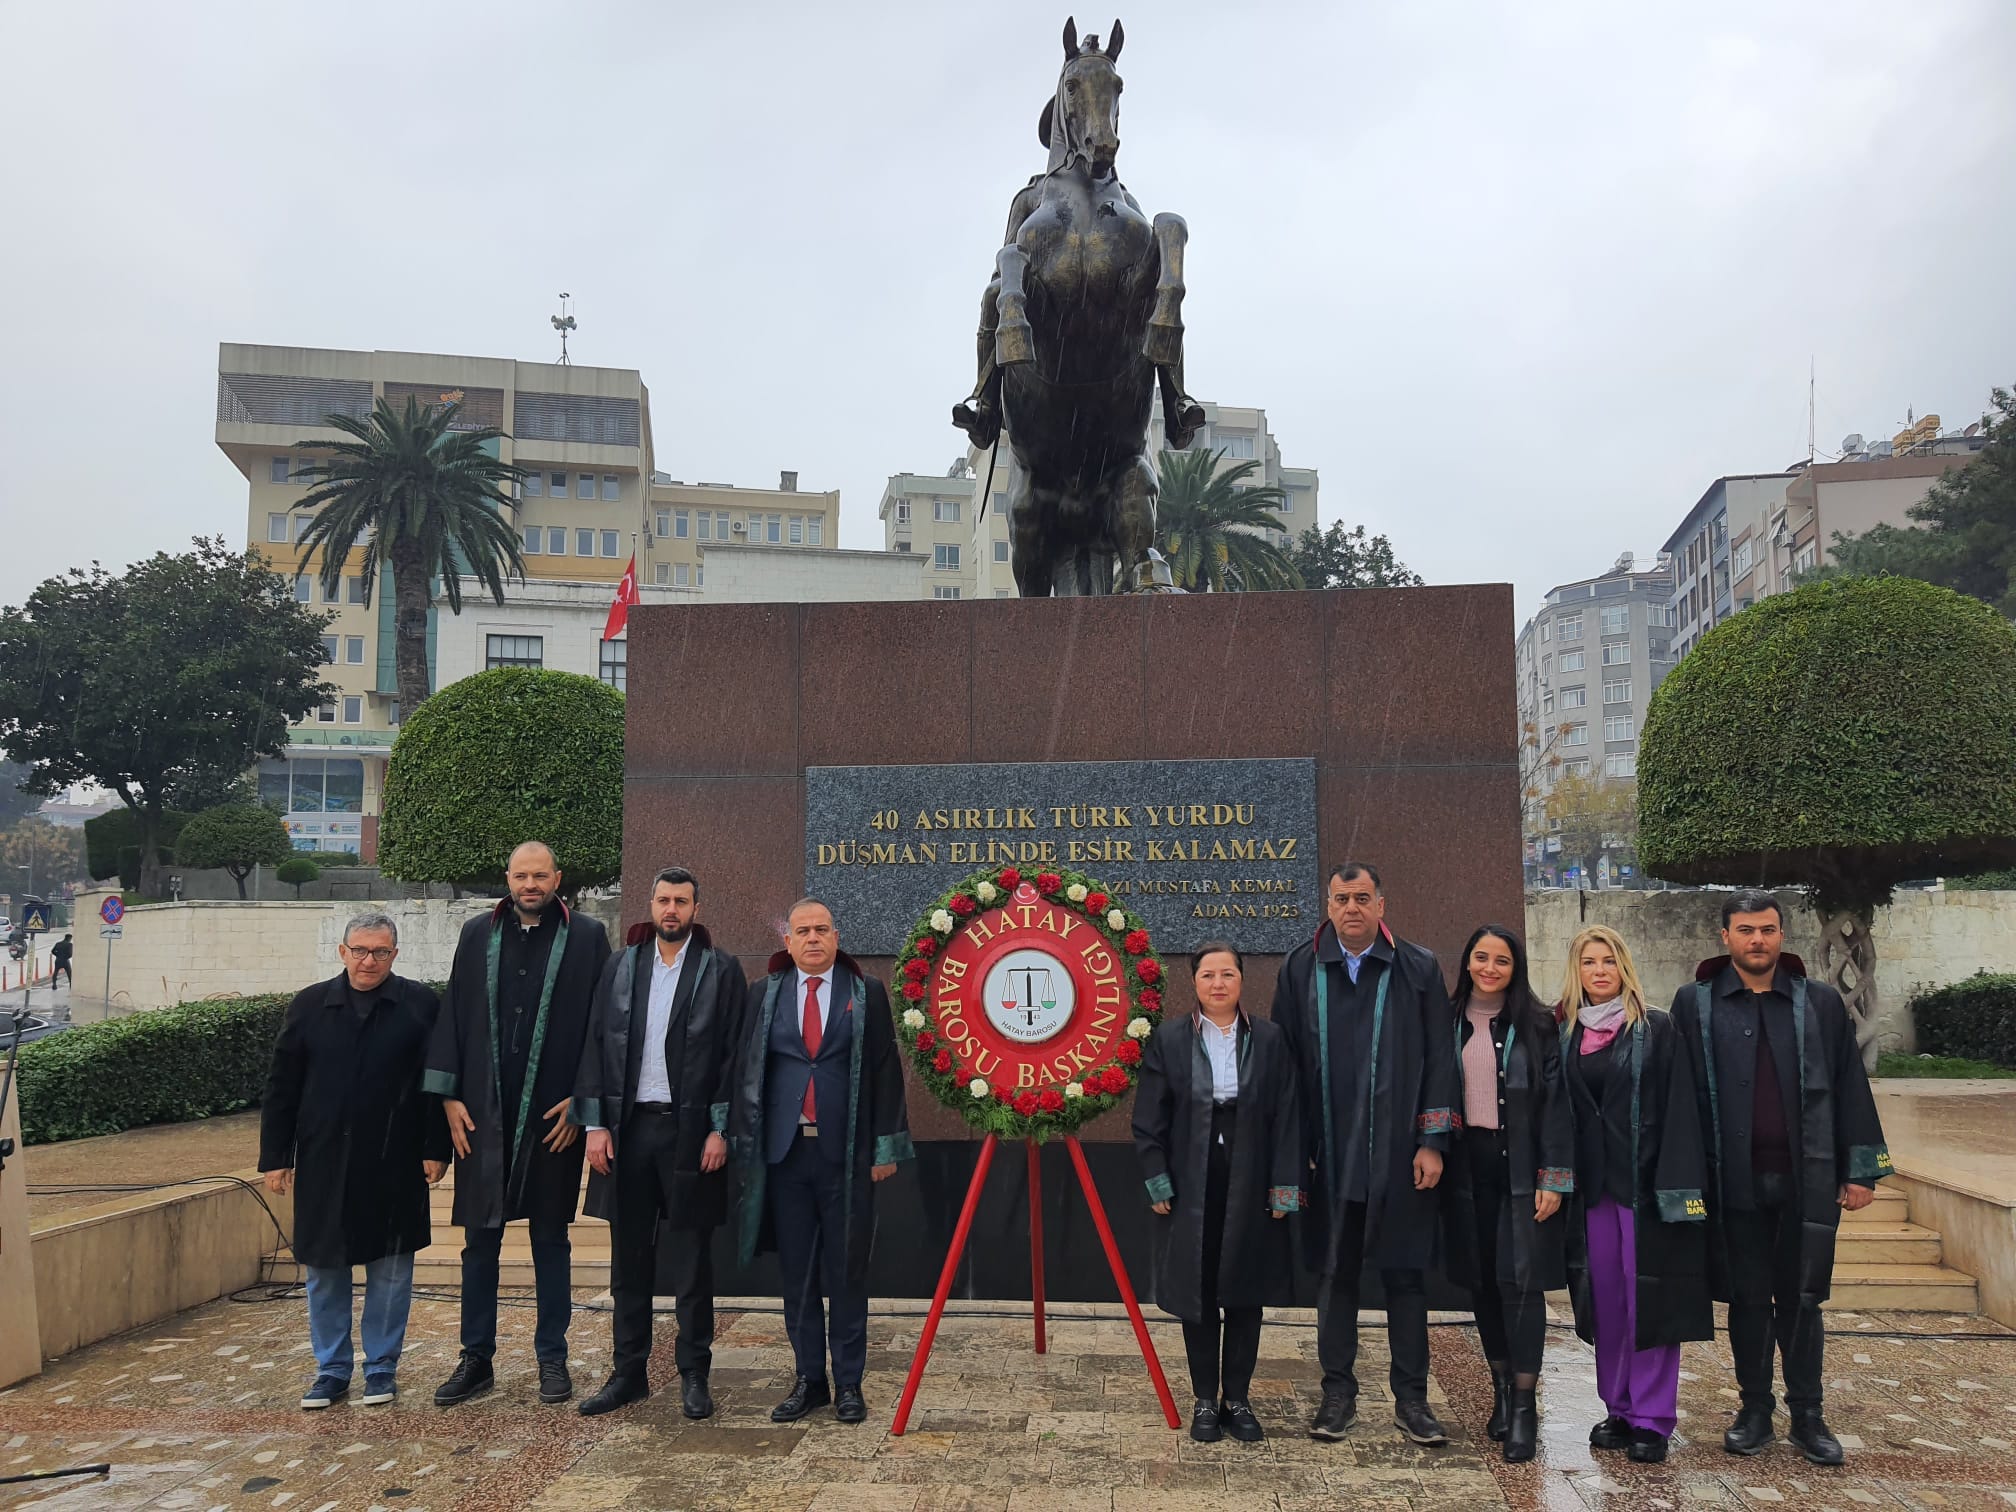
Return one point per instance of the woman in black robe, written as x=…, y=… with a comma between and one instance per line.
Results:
x=1507, y=1174
x=1219, y=1136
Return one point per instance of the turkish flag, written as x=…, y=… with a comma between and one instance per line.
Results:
x=626, y=595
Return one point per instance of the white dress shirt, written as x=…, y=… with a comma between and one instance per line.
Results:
x=654, y=1083
x=1222, y=1046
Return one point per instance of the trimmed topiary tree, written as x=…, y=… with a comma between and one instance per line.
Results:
x=236, y=837
x=498, y=758
x=298, y=871
x=1844, y=737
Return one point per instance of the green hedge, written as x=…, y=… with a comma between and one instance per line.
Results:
x=1975, y=1019
x=161, y=1066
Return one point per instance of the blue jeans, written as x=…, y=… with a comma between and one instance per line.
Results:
x=388, y=1296
x=552, y=1278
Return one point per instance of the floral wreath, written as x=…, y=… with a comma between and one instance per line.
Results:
x=1056, y=1108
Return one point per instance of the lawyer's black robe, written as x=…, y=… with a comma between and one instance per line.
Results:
x=494, y=1185
x=1831, y=1120
x=1172, y=1133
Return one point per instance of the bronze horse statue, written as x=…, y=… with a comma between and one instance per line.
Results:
x=1080, y=327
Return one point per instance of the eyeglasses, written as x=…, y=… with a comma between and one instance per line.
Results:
x=372, y=952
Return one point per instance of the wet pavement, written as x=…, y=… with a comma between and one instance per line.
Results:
x=199, y=1412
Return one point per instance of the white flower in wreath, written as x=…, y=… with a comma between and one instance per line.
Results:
x=1139, y=1028
x=1075, y=892
x=941, y=920
x=1116, y=919
x=988, y=892
x=913, y=1020
x=977, y=1089
x=1072, y=1089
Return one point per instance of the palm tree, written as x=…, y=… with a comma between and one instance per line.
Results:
x=1217, y=535
x=420, y=499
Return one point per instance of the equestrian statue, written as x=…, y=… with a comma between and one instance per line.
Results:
x=1081, y=328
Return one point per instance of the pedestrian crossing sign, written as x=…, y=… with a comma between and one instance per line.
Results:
x=35, y=916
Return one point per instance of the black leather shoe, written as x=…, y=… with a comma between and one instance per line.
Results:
x=849, y=1406
x=1612, y=1433
x=1419, y=1424
x=617, y=1391
x=805, y=1396
x=1338, y=1412
x=1812, y=1438
x=1501, y=1390
x=1750, y=1433
x=1647, y=1447
x=472, y=1378
x=695, y=1400
x=1522, y=1426
x=1204, y=1421
x=555, y=1384
x=1238, y=1420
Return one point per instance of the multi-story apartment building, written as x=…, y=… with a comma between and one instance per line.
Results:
x=1586, y=665
x=1714, y=545
x=934, y=518
x=686, y=518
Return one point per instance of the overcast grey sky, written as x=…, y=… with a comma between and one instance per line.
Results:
x=1520, y=279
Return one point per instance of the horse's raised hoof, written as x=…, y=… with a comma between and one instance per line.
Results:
x=981, y=423
x=1189, y=421
x=1014, y=343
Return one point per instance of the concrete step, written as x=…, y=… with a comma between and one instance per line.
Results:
x=441, y=1265
x=1886, y=1244
x=1891, y=1206
x=1902, y=1288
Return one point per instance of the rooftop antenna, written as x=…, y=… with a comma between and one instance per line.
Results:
x=563, y=323
x=1811, y=367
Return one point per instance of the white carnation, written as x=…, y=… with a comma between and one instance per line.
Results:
x=1116, y=919
x=1072, y=1089
x=1075, y=892
x=941, y=920
x=978, y=1088
x=913, y=1019
x=987, y=892
x=1139, y=1028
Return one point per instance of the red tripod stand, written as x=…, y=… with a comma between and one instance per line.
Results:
x=965, y=1229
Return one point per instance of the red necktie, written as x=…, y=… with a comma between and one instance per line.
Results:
x=814, y=1028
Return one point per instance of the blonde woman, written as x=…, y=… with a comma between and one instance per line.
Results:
x=1637, y=1259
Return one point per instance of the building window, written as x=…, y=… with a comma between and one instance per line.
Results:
x=299, y=523
x=354, y=589
x=721, y=526
x=1616, y=692
x=945, y=511
x=1746, y=558
x=353, y=650
x=1620, y=764
x=1620, y=727
x=1574, y=698
x=326, y=714
x=1571, y=627
x=282, y=469
x=584, y=543
x=661, y=524
x=815, y=531
x=776, y=530
x=945, y=558
x=332, y=593
x=1574, y=769
x=661, y=573
x=944, y=591
x=615, y=664
x=276, y=528
x=556, y=541
x=611, y=543
x=1617, y=654
x=903, y=514
x=534, y=535
x=1000, y=551
x=556, y=484
x=514, y=651
x=681, y=524
x=1237, y=445
x=1617, y=619
x=584, y=485
x=1546, y=626
x=796, y=530
x=682, y=574
x=329, y=649
x=303, y=590
x=1806, y=557
x=612, y=488
x=1547, y=702
x=353, y=708
x=1571, y=661
x=1575, y=735
x=535, y=486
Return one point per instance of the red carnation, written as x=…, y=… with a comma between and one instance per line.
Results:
x=1004, y=1094
x=962, y=905
x=1113, y=1079
x=1010, y=878
x=1025, y=1104
x=1148, y=969
x=1092, y=1087
x=943, y=1063
x=1095, y=902
x=927, y=1042
x=963, y=1075
x=1136, y=942
x=1130, y=1052
x=916, y=968
x=1151, y=1000
x=1048, y=882
x=914, y=991
x=926, y=947
x=1051, y=1100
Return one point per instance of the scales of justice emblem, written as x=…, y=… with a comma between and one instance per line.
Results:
x=1029, y=996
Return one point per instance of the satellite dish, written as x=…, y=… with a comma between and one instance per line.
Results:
x=1852, y=442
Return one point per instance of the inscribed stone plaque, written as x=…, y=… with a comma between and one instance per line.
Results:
x=1200, y=849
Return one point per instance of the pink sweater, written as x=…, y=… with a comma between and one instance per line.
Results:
x=1480, y=1070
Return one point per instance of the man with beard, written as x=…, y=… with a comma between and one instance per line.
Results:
x=1367, y=1019
x=1794, y=1140
x=653, y=1094
x=505, y=1052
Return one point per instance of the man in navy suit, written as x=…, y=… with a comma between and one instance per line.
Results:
x=819, y=1119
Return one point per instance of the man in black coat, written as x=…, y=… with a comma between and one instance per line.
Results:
x=1367, y=1017
x=506, y=1050
x=653, y=1091
x=346, y=1125
x=818, y=1118
x=1794, y=1141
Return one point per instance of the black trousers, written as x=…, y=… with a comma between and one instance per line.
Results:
x=1222, y=1351
x=1767, y=1308
x=808, y=1212
x=1337, y=1318
x=643, y=1173
x=1511, y=1324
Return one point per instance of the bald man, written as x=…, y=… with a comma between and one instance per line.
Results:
x=506, y=1049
